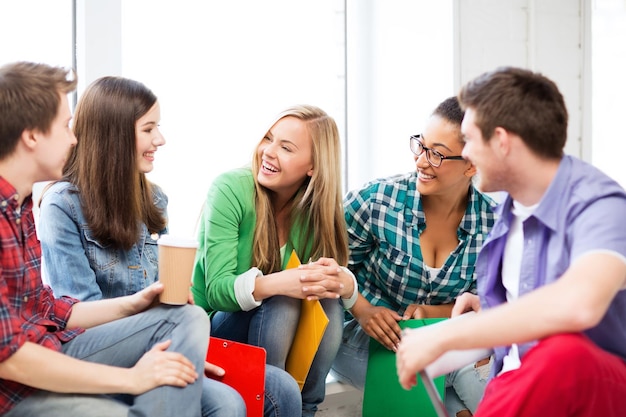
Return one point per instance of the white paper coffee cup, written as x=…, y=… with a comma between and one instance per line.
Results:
x=176, y=259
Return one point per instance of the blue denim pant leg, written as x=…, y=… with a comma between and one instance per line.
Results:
x=453, y=403
x=465, y=388
x=274, y=326
x=350, y=365
x=314, y=389
x=54, y=404
x=220, y=400
x=123, y=342
x=282, y=394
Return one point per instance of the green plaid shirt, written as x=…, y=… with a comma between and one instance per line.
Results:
x=385, y=219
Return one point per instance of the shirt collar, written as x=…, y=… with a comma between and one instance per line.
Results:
x=471, y=223
x=9, y=198
x=548, y=211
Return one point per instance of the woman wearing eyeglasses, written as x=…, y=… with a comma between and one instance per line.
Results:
x=413, y=242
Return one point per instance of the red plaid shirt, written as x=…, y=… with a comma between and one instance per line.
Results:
x=28, y=310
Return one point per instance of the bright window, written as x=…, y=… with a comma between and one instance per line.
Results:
x=608, y=87
x=36, y=30
x=400, y=67
x=222, y=71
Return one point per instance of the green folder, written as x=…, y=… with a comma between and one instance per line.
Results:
x=383, y=396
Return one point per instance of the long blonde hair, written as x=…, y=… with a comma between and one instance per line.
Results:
x=317, y=207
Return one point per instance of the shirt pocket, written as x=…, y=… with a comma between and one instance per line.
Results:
x=151, y=251
x=459, y=279
x=101, y=257
x=394, y=262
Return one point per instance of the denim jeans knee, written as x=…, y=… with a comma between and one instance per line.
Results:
x=54, y=404
x=123, y=342
x=273, y=326
x=469, y=385
x=350, y=364
x=282, y=394
x=220, y=400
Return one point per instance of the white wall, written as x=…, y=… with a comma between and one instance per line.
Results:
x=29, y=36
x=609, y=87
x=546, y=36
x=399, y=68
x=98, y=40
x=223, y=75
x=222, y=70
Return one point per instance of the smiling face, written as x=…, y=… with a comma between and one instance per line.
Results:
x=286, y=155
x=148, y=137
x=452, y=176
x=491, y=175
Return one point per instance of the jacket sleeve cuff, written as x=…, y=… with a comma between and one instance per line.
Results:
x=244, y=287
x=348, y=303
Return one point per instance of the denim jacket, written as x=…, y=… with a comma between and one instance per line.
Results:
x=76, y=264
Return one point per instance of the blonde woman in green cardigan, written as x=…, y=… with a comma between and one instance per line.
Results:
x=288, y=199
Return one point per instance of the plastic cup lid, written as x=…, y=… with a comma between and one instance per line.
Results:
x=183, y=242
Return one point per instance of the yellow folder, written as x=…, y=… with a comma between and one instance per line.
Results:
x=311, y=327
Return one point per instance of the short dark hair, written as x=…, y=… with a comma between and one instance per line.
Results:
x=30, y=94
x=450, y=110
x=522, y=102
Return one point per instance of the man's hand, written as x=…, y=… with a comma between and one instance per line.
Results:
x=159, y=367
x=466, y=302
x=88, y=314
x=417, y=349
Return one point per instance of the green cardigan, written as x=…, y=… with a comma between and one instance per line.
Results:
x=225, y=241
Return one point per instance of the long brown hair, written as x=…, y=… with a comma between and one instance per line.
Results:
x=317, y=207
x=115, y=197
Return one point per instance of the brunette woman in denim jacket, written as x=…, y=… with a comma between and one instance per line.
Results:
x=98, y=226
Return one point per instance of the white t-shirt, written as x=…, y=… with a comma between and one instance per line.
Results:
x=511, y=268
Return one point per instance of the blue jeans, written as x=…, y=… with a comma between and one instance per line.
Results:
x=272, y=326
x=464, y=387
x=122, y=343
x=220, y=400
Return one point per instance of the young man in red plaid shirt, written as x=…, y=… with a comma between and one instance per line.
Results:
x=59, y=357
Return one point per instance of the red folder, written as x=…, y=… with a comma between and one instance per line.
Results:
x=245, y=370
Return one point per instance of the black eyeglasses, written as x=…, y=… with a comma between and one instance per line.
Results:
x=433, y=157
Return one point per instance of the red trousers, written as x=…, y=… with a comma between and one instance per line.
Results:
x=564, y=375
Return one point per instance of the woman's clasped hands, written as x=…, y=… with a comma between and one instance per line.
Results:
x=324, y=278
